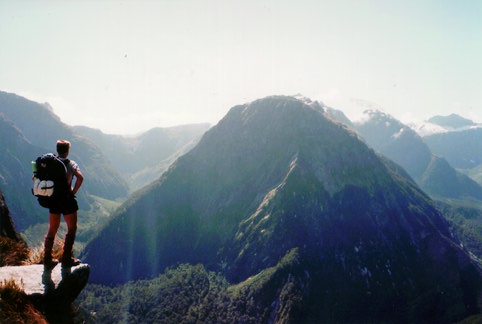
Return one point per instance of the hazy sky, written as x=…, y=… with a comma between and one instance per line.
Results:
x=127, y=66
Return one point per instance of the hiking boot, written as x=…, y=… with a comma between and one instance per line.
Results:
x=71, y=262
x=50, y=263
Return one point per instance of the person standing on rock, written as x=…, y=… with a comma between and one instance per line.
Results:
x=66, y=205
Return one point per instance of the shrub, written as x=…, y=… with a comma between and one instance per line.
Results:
x=36, y=255
x=12, y=253
x=15, y=307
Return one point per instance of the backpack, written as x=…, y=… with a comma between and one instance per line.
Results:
x=50, y=179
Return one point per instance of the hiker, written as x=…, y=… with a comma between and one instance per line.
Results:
x=66, y=204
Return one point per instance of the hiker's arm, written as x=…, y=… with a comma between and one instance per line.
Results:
x=79, y=178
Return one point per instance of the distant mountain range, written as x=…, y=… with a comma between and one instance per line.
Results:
x=443, y=124
x=278, y=189
x=109, y=162
x=462, y=149
x=452, y=121
x=457, y=139
x=404, y=146
x=143, y=158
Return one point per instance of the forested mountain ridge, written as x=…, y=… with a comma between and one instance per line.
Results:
x=276, y=180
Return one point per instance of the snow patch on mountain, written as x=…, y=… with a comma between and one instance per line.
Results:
x=424, y=128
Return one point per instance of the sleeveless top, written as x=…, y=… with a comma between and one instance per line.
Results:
x=72, y=166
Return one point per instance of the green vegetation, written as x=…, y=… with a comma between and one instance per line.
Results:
x=190, y=294
x=90, y=221
x=465, y=218
x=475, y=319
x=180, y=295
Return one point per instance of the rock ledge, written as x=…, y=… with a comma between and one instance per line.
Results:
x=58, y=282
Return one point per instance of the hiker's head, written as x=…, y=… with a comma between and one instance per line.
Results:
x=63, y=148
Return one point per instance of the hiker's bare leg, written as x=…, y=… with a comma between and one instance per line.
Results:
x=54, y=223
x=71, y=220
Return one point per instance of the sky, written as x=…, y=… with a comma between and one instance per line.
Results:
x=127, y=66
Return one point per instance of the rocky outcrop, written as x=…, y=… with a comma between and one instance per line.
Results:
x=13, y=249
x=63, y=283
x=7, y=227
x=50, y=292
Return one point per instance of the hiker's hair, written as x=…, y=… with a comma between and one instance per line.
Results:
x=63, y=147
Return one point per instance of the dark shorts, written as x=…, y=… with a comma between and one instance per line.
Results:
x=68, y=205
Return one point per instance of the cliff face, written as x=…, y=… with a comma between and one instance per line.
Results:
x=7, y=227
x=13, y=249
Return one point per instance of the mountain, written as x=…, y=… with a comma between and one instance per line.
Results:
x=13, y=248
x=142, y=158
x=443, y=124
x=462, y=149
x=475, y=173
x=404, y=146
x=455, y=138
x=395, y=140
x=309, y=222
x=7, y=226
x=16, y=174
x=42, y=128
x=338, y=115
x=452, y=121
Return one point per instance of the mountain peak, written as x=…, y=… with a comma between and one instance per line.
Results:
x=451, y=121
x=375, y=116
x=274, y=176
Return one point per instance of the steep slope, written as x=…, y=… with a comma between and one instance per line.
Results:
x=16, y=152
x=441, y=180
x=7, y=226
x=475, y=173
x=276, y=180
x=13, y=248
x=401, y=144
x=41, y=127
x=142, y=158
x=395, y=140
x=337, y=115
x=462, y=149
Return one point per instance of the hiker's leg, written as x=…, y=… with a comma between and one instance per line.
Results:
x=71, y=220
x=54, y=222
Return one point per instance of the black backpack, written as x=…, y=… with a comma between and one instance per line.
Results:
x=50, y=179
